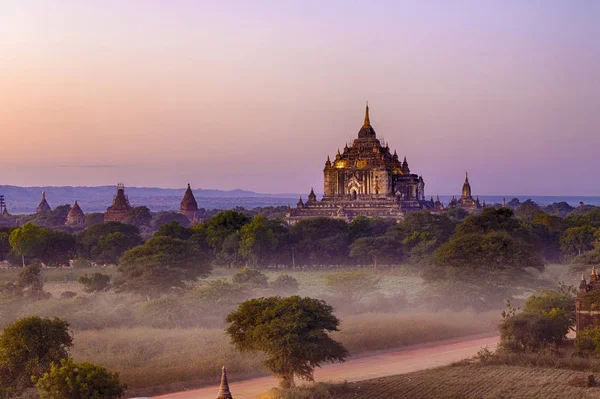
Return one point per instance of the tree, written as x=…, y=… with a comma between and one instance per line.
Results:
x=4, y=245
x=160, y=265
x=320, y=241
x=368, y=227
x=352, y=286
x=285, y=285
x=528, y=210
x=258, y=241
x=30, y=281
x=60, y=248
x=250, y=277
x=29, y=241
x=221, y=226
x=586, y=260
x=377, y=250
x=174, y=230
x=292, y=332
x=89, y=240
x=490, y=220
x=576, y=240
x=140, y=216
x=27, y=349
x=71, y=380
x=94, y=218
x=162, y=218
x=97, y=282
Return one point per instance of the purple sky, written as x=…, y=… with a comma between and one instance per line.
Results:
x=254, y=95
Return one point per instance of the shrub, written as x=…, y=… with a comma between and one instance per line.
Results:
x=97, y=282
x=82, y=263
x=353, y=285
x=285, y=284
x=79, y=380
x=250, y=277
x=588, y=341
x=68, y=295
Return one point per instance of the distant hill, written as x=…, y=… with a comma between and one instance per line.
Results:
x=96, y=199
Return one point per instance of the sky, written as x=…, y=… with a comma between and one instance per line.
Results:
x=256, y=94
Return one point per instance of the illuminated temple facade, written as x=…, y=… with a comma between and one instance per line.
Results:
x=366, y=179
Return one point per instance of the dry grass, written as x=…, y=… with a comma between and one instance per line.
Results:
x=474, y=381
x=152, y=360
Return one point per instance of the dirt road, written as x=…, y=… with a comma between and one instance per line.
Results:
x=382, y=364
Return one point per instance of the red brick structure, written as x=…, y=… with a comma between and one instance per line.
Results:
x=587, y=309
x=189, y=206
x=76, y=217
x=43, y=205
x=120, y=207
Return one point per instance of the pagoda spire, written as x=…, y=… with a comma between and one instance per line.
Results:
x=367, y=120
x=224, y=392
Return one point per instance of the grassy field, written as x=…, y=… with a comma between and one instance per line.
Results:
x=154, y=360
x=475, y=381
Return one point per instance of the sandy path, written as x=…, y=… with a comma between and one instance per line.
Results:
x=383, y=364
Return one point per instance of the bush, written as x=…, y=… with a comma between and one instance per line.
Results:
x=79, y=380
x=588, y=341
x=68, y=295
x=82, y=263
x=319, y=390
x=97, y=282
x=285, y=284
x=250, y=277
x=352, y=286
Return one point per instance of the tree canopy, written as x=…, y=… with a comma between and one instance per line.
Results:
x=292, y=332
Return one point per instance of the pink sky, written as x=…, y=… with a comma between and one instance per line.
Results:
x=254, y=95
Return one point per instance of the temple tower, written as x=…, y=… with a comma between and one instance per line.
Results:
x=224, y=392
x=76, y=217
x=189, y=206
x=43, y=205
x=120, y=207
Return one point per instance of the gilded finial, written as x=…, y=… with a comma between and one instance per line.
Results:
x=367, y=120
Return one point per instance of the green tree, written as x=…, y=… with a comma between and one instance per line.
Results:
x=174, y=230
x=29, y=241
x=368, y=227
x=250, y=277
x=84, y=380
x=94, y=218
x=576, y=240
x=221, y=226
x=352, y=286
x=586, y=260
x=490, y=220
x=89, y=240
x=60, y=248
x=140, y=216
x=162, y=218
x=320, y=241
x=386, y=250
x=528, y=210
x=110, y=248
x=97, y=282
x=285, y=285
x=292, y=332
x=27, y=349
x=160, y=265
x=30, y=281
x=4, y=245
x=258, y=241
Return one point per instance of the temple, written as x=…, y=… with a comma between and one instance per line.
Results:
x=43, y=205
x=76, y=217
x=189, y=206
x=120, y=207
x=466, y=200
x=3, y=211
x=366, y=179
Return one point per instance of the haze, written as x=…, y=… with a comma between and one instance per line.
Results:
x=255, y=95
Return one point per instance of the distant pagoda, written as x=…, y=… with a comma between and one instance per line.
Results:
x=120, y=207
x=76, y=217
x=189, y=206
x=43, y=205
x=3, y=210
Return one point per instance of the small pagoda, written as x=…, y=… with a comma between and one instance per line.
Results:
x=43, y=205
x=189, y=206
x=76, y=217
x=224, y=392
x=120, y=207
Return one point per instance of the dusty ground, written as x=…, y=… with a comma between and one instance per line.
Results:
x=389, y=363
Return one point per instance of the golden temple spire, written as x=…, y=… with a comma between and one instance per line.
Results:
x=367, y=120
